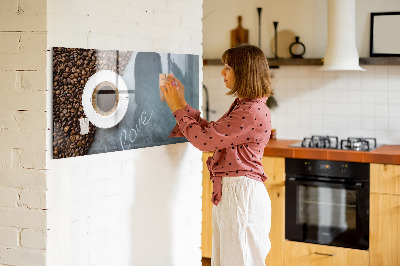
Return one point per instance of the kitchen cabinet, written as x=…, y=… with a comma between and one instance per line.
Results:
x=385, y=214
x=206, y=225
x=385, y=178
x=384, y=245
x=305, y=254
x=385, y=230
x=274, y=168
x=384, y=221
x=277, y=233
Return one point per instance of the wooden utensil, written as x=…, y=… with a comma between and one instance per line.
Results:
x=239, y=35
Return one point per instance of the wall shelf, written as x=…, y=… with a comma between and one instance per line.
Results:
x=380, y=61
x=274, y=63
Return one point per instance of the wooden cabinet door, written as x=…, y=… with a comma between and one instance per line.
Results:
x=277, y=233
x=385, y=178
x=305, y=254
x=274, y=168
x=206, y=226
x=384, y=236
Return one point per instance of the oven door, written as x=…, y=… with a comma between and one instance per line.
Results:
x=327, y=213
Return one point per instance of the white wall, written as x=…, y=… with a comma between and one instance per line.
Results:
x=23, y=133
x=311, y=102
x=304, y=18
x=343, y=104
x=136, y=207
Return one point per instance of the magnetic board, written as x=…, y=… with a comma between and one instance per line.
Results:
x=109, y=100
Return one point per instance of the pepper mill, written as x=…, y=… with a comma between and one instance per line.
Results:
x=276, y=38
x=259, y=26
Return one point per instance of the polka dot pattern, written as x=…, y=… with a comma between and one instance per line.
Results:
x=238, y=139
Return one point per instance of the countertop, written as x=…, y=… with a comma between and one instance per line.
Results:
x=387, y=154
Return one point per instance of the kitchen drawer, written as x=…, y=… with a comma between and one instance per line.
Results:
x=305, y=254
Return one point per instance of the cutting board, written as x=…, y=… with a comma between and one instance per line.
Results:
x=239, y=35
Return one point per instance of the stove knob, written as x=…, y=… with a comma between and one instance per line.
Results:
x=308, y=166
x=343, y=168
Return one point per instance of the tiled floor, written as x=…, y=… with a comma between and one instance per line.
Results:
x=206, y=261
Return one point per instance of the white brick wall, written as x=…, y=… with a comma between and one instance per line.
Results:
x=23, y=178
x=24, y=256
x=33, y=239
x=23, y=132
x=23, y=15
x=136, y=207
x=100, y=207
x=9, y=237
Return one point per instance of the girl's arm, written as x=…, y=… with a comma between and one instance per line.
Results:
x=238, y=128
x=193, y=113
x=174, y=94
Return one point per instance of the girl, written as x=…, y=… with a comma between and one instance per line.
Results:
x=242, y=209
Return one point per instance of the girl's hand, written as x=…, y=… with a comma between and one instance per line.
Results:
x=181, y=91
x=171, y=91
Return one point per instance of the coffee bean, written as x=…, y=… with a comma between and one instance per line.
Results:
x=72, y=68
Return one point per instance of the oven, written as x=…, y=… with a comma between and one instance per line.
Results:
x=327, y=202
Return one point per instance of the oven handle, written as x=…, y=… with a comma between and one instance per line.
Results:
x=357, y=185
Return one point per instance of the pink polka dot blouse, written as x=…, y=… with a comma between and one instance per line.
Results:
x=238, y=139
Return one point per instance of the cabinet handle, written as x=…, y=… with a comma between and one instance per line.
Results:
x=324, y=254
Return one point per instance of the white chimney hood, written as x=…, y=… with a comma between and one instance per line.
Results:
x=341, y=51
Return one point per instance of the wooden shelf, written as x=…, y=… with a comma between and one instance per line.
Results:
x=380, y=61
x=274, y=63
x=212, y=62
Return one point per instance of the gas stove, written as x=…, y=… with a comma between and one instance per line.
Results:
x=332, y=142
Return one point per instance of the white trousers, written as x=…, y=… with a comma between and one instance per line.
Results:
x=241, y=223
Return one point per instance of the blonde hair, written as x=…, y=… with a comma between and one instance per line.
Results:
x=250, y=66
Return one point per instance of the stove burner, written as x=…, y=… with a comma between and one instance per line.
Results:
x=358, y=144
x=332, y=142
x=328, y=142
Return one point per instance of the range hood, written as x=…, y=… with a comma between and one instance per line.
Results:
x=341, y=51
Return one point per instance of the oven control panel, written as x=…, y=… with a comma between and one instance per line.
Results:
x=337, y=169
x=325, y=167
